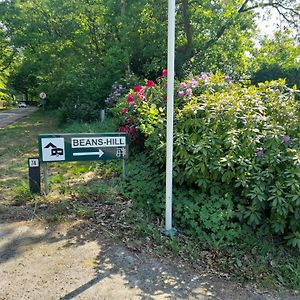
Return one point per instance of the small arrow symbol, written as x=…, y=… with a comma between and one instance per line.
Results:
x=99, y=153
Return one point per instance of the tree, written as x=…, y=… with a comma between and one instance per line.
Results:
x=78, y=48
x=215, y=35
x=7, y=59
x=277, y=57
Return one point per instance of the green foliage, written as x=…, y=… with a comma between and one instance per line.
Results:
x=87, y=111
x=75, y=49
x=84, y=212
x=227, y=137
x=109, y=125
x=268, y=72
x=277, y=57
x=209, y=217
x=148, y=194
x=22, y=194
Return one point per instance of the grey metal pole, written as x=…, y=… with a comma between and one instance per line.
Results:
x=102, y=115
x=45, y=169
x=170, y=111
x=123, y=169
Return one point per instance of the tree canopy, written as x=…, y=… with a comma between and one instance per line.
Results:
x=77, y=49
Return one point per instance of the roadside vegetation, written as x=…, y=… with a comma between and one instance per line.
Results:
x=236, y=124
x=132, y=210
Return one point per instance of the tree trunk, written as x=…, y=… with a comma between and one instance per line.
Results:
x=185, y=52
x=187, y=26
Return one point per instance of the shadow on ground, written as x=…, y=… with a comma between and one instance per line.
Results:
x=114, y=270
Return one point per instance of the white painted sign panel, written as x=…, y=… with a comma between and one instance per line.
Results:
x=33, y=162
x=104, y=141
x=53, y=149
x=43, y=95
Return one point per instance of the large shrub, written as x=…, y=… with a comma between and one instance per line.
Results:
x=232, y=141
x=274, y=71
x=80, y=111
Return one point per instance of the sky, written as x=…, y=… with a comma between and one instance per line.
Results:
x=268, y=24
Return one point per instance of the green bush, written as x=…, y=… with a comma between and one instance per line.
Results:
x=228, y=137
x=274, y=71
x=81, y=111
x=208, y=216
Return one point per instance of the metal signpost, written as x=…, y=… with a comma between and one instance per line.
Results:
x=43, y=97
x=82, y=147
x=169, y=230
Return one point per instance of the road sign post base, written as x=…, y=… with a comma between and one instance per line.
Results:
x=169, y=233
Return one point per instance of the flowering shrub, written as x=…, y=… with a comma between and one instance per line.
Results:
x=227, y=137
x=120, y=88
x=142, y=109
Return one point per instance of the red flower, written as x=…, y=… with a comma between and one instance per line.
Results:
x=123, y=128
x=130, y=99
x=125, y=110
x=132, y=130
x=150, y=83
x=131, y=121
x=165, y=72
x=141, y=96
x=137, y=89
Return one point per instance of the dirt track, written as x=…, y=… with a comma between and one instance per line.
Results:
x=40, y=262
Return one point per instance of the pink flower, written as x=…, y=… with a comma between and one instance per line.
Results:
x=141, y=96
x=286, y=139
x=192, y=83
x=150, y=83
x=182, y=85
x=165, y=72
x=130, y=99
x=125, y=110
x=204, y=75
x=181, y=94
x=260, y=152
x=188, y=91
x=137, y=89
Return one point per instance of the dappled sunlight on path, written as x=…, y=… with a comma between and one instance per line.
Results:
x=71, y=261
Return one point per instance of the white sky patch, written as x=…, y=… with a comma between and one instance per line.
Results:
x=269, y=22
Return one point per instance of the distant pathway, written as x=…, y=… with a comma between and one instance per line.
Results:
x=12, y=115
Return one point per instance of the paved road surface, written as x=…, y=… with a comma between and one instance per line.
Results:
x=10, y=116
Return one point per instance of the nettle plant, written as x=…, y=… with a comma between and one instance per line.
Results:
x=240, y=137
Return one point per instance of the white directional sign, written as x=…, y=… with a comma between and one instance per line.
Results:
x=98, y=153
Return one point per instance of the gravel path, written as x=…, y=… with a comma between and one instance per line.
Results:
x=40, y=262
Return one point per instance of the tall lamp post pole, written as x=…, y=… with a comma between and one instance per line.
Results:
x=169, y=230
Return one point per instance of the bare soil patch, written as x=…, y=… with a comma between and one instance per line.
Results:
x=83, y=260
